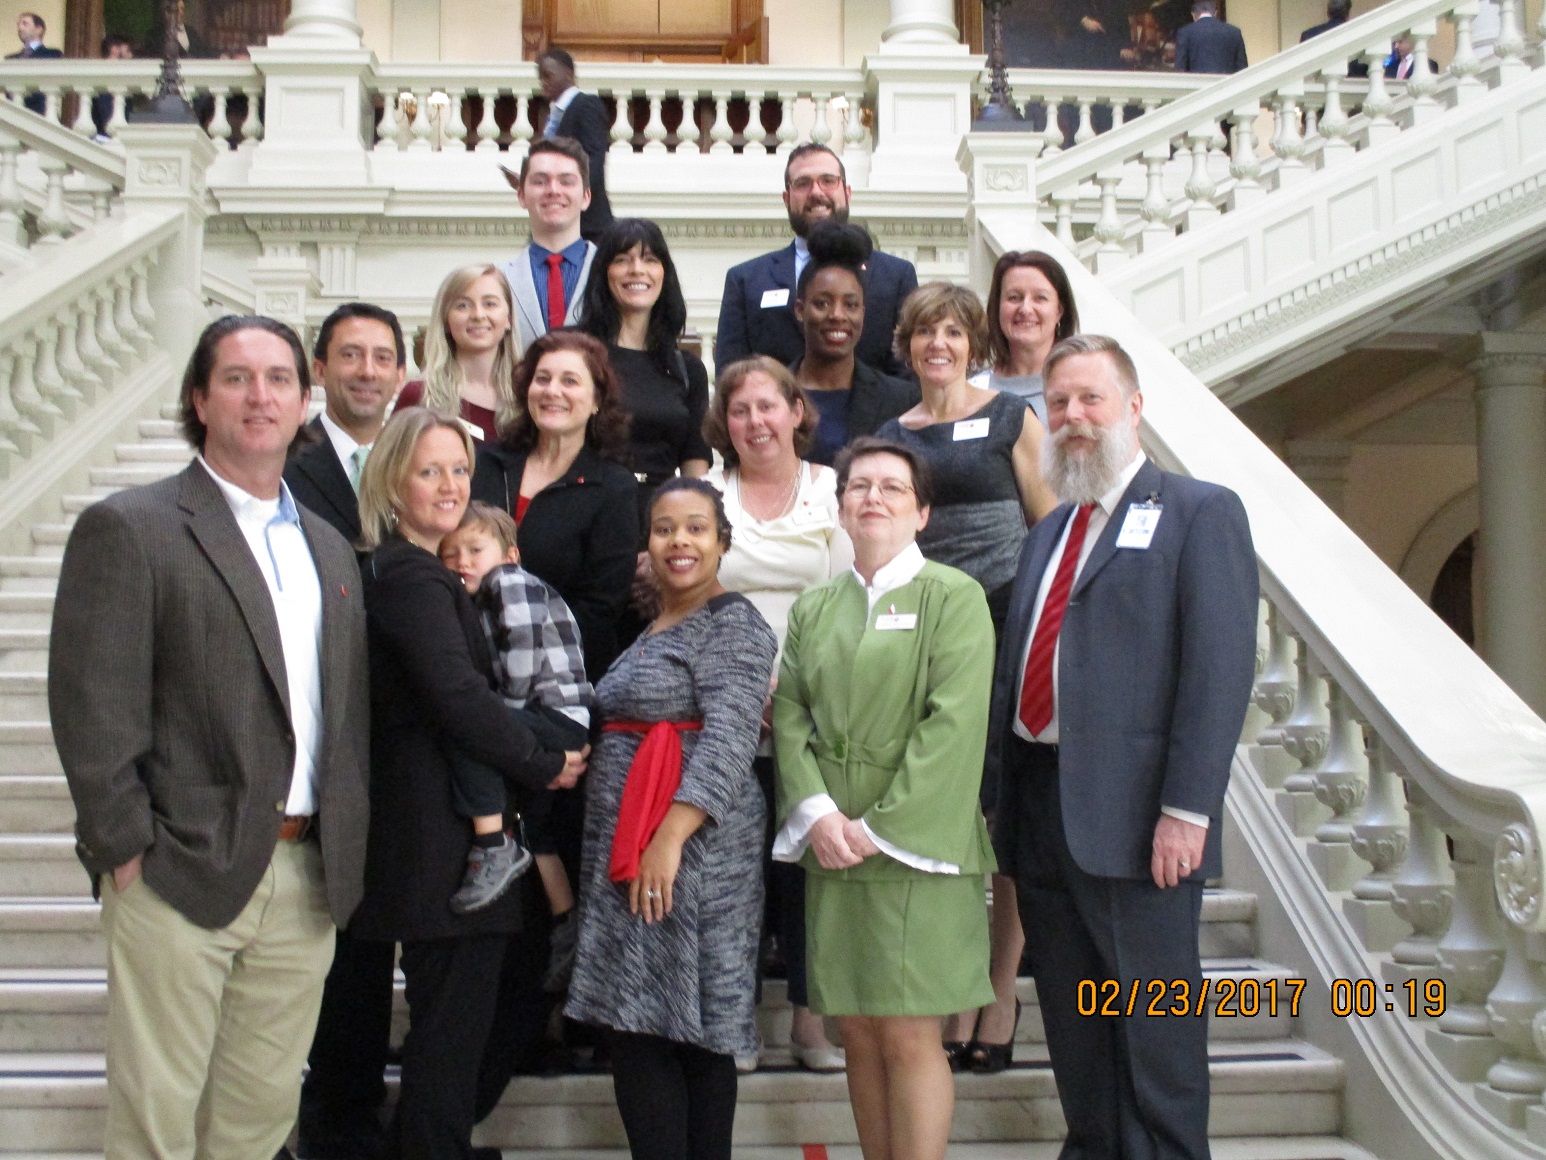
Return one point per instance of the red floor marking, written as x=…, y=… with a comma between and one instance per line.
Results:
x=814, y=1151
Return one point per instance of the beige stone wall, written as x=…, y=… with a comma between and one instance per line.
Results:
x=1393, y=490
x=52, y=12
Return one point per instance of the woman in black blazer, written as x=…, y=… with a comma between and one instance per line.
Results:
x=558, y=469
x=432, y=685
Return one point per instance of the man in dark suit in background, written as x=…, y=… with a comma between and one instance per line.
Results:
x=580, y=117
x=360, y=359
x=208, y=687
x=1208, y=44
x=756, y=314
x=30, y=30
x=1337, y=13
x=1120, y=692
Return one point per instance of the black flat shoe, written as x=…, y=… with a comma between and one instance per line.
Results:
x=992, y=1058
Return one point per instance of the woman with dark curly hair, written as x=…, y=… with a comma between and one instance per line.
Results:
x=558, y=468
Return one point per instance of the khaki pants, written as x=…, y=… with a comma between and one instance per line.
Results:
x=207, y=1030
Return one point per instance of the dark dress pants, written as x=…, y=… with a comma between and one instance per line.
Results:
x=522, y=1007
x=1132, y=1087
x=344, y=1088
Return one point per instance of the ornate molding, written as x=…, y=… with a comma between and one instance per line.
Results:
x=1516, y=874
x=1359, y=274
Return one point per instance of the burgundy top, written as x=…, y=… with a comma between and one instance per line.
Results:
x=482, y=418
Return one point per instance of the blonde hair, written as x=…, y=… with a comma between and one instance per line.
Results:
x=381, y=484
x=932, y=303
x=443, y=374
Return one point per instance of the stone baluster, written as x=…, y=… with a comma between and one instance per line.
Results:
x=853, y=129
x=421, y=129
x=1064, y=200
x=488, y=124
x=655, y=127
x=821, y=131
x=119, y=118
x=53, y=222
x=139, y=301
x=123, y=314
x=788, y=134
x=622, y=127
x=1333, y=125
x=51, y=95
x=387, y=129
x=1340, y=785
x=720, y=132
x=13, y=231
x=1463, y=66
x=97, y=359
x=1155, y=210
x=1200, y=186
x=1517, y=1079
x=1469, y=959
x=1290, y=144
x=51, y=384
x=24, y=389
x=18, y=431
x=107, y=329
x=84, y=126
x=521, y=131
x=1086, y=130
x=453, y=124
x=1052, y=134
x=689, y=134
x=1510, y=46
x=1244, y=163
x=252, y=127
x=1421, y=892
x=1304, y=738
x=1423, y=83
x=1109, y=230
x=1380, y=839
x=220, y=123
x=1274, y=695
x=1377, y=103
x=71, y=366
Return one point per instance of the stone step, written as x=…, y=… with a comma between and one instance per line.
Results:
x=51, y=536
x=23, y=697
x=40, y=866
x=36, y=603
x=26, y=748
x=1282, y=1088
x=24, y=639
x=131, y=474
x=50, y=933
x=173, y=453
x=160, y=429
x=36, y=803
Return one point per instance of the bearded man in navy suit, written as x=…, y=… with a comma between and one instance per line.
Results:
x=1121, y=689
x=756, y=314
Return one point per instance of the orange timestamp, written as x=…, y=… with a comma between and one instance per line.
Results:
x=1249, y=997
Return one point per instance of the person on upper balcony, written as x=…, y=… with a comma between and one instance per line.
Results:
x=29, y=30
x=1403, y=55
x=1208, y=44
x=757, y=315
x=1337, y=13
x=580, y=117
x=547, y=278
x=113, y=48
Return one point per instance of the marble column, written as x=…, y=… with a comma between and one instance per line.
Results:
x=921, y=22
x=1510, y=390
x=922, y=77
x=332, y=22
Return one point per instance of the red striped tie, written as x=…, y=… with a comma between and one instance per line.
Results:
x=556, y=309
x=1036, y=689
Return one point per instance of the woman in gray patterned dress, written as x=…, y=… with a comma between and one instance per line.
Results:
x=671, y=892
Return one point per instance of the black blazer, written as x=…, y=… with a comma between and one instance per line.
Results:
x=586, y=121
x=580, y=534
x=1355, y=68
x=320, y=484
x=1156, y=660
x=431, y=685
x=746, y=327
x=874, y=399
x=1210, y=45
x=37, y=102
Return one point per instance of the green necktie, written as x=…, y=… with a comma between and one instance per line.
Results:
x=357, y=467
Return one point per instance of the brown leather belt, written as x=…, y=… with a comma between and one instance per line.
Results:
x=295, y=827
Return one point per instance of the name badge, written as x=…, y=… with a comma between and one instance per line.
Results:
x=771, y=298
x=472, y=429
x=896, y=622
x=1138, y=528
x=808, y=516
x=970, y=429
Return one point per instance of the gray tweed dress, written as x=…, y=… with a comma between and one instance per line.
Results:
x=692, y=977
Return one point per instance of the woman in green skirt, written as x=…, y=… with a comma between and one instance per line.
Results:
x=880, y=718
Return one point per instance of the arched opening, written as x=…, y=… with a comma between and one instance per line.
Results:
x=1451, y=596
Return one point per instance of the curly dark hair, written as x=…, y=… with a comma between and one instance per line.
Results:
x=606, y=432
x=697, y=487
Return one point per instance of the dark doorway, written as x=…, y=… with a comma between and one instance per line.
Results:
x=1452, y=591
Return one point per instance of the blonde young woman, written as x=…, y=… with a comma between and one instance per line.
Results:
x=470, y=353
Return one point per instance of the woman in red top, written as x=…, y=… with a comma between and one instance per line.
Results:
x=469, y=353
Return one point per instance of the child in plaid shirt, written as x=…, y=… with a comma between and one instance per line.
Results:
x=537, y=655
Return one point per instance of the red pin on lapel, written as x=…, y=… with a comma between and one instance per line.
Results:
x=342, y=591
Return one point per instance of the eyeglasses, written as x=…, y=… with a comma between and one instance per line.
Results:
x=890, y=489
x=829, y=182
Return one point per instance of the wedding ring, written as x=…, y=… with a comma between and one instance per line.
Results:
x=652, y=894
x=1185, y=865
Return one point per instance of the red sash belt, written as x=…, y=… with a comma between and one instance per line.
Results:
x=653, y=779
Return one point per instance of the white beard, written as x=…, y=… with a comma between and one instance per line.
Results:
x=1083, y=476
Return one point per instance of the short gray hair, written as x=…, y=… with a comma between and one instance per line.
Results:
x=1077, y=344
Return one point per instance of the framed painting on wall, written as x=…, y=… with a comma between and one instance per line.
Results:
x=209, y=29
x=1094, y=34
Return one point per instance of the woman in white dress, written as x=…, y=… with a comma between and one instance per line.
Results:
x=783, y=510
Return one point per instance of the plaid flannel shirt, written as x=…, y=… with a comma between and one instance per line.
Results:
x=536, y=644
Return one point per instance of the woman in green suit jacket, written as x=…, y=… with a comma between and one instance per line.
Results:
x=880, y=718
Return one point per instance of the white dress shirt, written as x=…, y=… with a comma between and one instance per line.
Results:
x=1100, y=516
x=344, y=445
x=272, y=529
x=560, y=107
x=802, y=257
x=796, y=834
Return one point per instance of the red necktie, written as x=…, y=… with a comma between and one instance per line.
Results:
x=1036, y=689
x=556, y=309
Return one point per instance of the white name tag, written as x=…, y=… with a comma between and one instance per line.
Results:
x=806, y=516
x=896, y=621
x=971, y=429
x=1138, y=528
x=772, y=298
x=472, y=429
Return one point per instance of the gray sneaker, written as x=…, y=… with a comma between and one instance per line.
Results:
x=491, y=871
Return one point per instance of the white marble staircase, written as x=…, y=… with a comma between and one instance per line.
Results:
x=1275, y=1094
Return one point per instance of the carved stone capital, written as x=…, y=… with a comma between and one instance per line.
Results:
x=1516, y=874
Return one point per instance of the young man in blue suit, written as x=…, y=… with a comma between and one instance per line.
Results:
x=1121, y=688
x=756, y=314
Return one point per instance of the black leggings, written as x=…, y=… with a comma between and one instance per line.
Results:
x=677, y=1101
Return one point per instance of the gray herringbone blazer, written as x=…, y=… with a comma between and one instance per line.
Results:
x=170, y=706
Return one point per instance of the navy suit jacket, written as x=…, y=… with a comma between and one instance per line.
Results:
x=36, y=102
x=586, y=121
x=746, y=327
x=1210, y=46
x=1156, y=660
x=320, y=484
x=1355, y=68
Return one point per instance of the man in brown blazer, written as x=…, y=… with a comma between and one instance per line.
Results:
x=208, y=688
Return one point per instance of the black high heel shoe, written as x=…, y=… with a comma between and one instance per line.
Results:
x=957, y=1052
x=992, y=1058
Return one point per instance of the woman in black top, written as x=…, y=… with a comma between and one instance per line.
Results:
x=432, y=685
x=850, y=397
x=637, y=309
